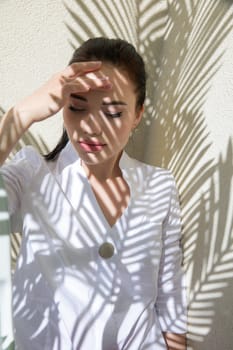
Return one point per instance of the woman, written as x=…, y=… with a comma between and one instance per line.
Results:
x=100, y=261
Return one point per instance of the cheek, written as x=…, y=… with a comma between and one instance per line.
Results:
x=117, y=129
x=70, y=125
x=74, y=136
x=123, y=131
x=128, y=122
x=72, y=133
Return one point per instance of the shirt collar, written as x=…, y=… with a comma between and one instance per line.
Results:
x=131, y=170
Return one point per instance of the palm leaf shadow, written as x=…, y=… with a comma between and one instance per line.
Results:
x=182, y=143
x=212, y=278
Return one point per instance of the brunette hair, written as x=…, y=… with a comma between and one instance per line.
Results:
x=117, y=52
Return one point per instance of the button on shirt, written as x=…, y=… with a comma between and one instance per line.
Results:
x=66, y=296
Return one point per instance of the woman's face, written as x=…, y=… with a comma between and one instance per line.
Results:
x=99, y=122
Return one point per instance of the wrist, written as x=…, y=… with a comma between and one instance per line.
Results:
x=22, y=118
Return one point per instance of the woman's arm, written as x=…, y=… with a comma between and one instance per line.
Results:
x=46, y=101
x=171, y=300
x=175, y=341
x=11, y=129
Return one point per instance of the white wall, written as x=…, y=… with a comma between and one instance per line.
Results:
x=188, y=126
x=33, y=45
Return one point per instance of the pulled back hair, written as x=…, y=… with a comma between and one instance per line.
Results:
x=117, y=52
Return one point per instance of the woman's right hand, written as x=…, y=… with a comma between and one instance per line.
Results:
x=48, y=100
x=50, y=97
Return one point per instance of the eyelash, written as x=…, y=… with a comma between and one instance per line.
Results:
x=108, y=114
x=113, y=115
x=73, y=109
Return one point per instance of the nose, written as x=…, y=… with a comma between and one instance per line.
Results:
x=91, y=125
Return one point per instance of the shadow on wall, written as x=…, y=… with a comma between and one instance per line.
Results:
x=178, y=139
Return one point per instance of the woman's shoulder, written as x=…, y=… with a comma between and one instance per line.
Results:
x=28, y=154
x=27, y=159
x=147, y=177
x=146, y=168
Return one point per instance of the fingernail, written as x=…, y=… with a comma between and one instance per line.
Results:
x=108, y=85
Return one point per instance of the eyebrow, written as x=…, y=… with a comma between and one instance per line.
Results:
x=104, y=103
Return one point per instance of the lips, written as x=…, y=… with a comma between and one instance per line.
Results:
x=91, y=146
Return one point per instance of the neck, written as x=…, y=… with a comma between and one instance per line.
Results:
x=103, y=171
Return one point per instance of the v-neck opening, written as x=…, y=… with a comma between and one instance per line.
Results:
x=96, y=204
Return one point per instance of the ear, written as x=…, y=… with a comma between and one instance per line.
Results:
x=138, y=116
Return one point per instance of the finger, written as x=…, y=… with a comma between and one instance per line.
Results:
x=98, y=84
x=92, y=82
x=74, y=87
x=78, y=68
x=97, y=76
x=83, y=85
x=94, y=79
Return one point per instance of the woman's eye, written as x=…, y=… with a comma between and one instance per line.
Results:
x=113, y=115
x=76, y=109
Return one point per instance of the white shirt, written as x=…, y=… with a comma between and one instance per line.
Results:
x=65, y=295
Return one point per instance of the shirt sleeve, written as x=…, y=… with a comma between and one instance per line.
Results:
x=171, y=299
x=17, y=175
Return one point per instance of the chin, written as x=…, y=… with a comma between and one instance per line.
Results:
x=93, y=158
